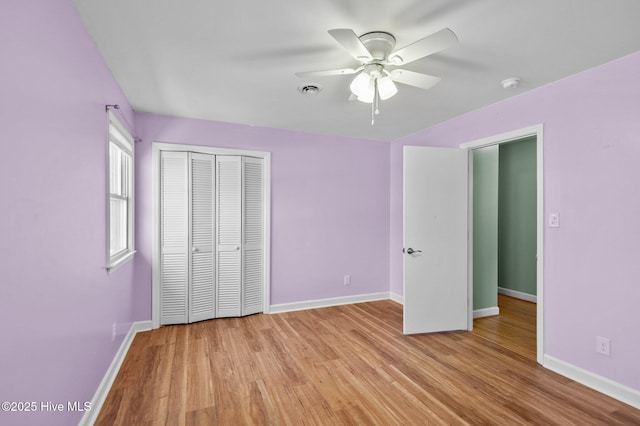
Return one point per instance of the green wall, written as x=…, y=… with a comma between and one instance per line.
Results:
x=485, y=227
x=517, y=216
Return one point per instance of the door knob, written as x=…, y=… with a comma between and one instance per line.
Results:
x=195, y=249
x=411, y=251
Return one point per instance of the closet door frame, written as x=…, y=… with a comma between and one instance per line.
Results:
x=156, y=149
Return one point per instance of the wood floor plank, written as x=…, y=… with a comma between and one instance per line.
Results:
x=514, y=328
x=344, y=365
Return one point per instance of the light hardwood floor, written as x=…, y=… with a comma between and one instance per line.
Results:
x=514, y=328
x=341, y=365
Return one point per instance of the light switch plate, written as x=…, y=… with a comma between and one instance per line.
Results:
x=554, y=220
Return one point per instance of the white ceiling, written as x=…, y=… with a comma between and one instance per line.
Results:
x=234, y=61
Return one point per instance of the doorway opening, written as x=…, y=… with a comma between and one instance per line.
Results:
x=506, y=229
x=513, y=328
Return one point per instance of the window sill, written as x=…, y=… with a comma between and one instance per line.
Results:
x=121, y=261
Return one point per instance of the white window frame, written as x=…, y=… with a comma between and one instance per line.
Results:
x=121, y=138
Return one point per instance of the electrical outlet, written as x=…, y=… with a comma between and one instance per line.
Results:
x=554, y=220
x=113, y=332
x=347, y=280
x=603, y=345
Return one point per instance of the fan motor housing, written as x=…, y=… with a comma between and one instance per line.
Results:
x=379, y=43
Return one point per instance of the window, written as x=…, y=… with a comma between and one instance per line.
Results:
x=120, y=203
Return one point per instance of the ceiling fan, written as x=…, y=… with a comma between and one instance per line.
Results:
x=377, y=72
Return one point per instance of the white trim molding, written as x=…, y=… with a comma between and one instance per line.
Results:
x=100, y=396
x=486, y=312
x=511, y=136
x=518, y=294
x=601, y=384
x=396, y=298
x=325, y=303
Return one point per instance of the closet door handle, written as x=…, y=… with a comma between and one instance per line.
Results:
x=195, y=249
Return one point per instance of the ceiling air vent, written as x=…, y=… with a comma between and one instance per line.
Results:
x=309, y=89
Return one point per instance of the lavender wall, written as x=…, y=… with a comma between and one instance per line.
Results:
x=330, y=210
x=57, y=303
x=329, y=206
x=591, y=157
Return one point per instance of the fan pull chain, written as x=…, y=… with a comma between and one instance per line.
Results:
x=377, y=98
x=373, y=108
x=374, y=104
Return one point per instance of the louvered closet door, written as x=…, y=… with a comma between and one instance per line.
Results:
x=252, y=232
x=174, y=254
x=229, y=235
x=202, y=289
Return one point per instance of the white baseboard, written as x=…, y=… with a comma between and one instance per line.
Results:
x=486, y=312
x=99, y=397
x=518, y=294
x=601, y=384
x=396, y=298
x=324, y=303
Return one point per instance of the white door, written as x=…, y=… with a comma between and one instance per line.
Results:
x=436, y=292
x=201, y=236
x=229, y=235
x=252, y=235
x=174, y=250
x=211, y=234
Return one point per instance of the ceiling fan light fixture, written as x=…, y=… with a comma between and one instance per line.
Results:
x=386, y=87
x=361, y=87
x=367, y=99
x=375, y=51
x=367, y=95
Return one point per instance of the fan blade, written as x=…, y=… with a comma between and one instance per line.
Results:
x=424, y=47
x=350, y=41
x=415, y=79
x=344, y=71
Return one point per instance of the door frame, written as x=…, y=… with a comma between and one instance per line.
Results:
x=156, y=149
x=507, y=137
